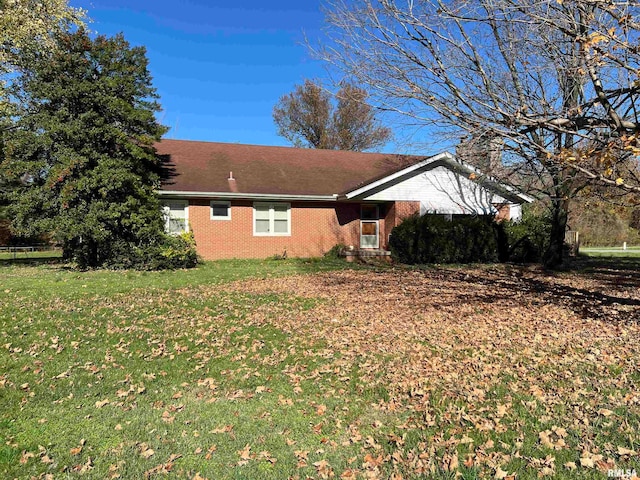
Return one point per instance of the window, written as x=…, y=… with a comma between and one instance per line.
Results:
x=220, y=210
x=271, y=219
x=176, y=215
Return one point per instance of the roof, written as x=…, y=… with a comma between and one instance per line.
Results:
x=253, y=171
x=207, y=167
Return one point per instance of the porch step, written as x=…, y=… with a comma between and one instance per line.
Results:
x=369, y=253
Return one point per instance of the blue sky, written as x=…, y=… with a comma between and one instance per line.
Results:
x=218, y=66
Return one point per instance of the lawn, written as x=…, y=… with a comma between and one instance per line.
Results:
x=611, y=252
x=309, y=369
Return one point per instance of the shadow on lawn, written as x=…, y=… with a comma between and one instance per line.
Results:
x=612, y=271
x=603, y=295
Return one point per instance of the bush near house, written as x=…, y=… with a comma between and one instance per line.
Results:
x=528, y=238
x=435, y=239
x=469, y=239
x=171, y=252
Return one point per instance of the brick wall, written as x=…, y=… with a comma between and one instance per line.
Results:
x=395, y=213
x=504, y=212
x=315, y=228
x=405, y=209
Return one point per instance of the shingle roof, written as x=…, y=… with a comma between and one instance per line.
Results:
x=206, y=167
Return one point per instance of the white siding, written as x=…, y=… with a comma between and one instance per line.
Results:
x=440, y=190
x=515, y=212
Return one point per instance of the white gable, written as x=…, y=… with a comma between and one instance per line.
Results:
x=439, y=190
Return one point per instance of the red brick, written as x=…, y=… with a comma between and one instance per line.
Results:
x=315, y=228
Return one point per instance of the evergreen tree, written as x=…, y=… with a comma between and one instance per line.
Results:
x=82, y=151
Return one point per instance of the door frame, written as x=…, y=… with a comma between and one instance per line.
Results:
x=375, y=221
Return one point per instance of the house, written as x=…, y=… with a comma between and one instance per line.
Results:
x=249, y=201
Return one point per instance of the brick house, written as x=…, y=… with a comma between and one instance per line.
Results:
x=248, y=201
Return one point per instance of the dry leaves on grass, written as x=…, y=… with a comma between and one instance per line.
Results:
x=464, y=333
x=562, y=350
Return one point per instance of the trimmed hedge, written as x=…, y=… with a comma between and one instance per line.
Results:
x=469, y=239
x=434, y=239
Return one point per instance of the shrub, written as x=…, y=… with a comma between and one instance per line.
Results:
x=336, y=251
x=176, y=252
x=434, y=239
x=467, y=239
x=171, y=252
x=528, y=238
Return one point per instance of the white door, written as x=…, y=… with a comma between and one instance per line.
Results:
x=369, y=227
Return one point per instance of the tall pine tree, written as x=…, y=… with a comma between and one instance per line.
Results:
x=82, y=151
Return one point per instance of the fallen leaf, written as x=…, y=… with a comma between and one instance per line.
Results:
x=245, y=453
x=371, y=461
x=145, y=451
x=500, y=474
x=88, y=465
x=210, y=451
x=587, y=462
x=324, y=469
x=622, y=451
x=24, y=458
x=167, y=418
x=75, y=451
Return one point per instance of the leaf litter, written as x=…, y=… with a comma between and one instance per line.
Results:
x=501, y=372
x=478, y=353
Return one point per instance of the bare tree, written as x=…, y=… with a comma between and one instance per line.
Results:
x=308, y=118
x=556, y=80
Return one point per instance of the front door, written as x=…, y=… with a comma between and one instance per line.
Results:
x=369, y=227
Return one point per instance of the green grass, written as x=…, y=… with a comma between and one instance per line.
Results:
x=183, y=374
x=21, y=257
x=47, y=279
x=618, y=252
x=173, y=374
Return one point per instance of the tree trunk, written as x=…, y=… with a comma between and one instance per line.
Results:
x=554, y=255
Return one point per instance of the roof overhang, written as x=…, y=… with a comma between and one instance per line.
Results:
x=247, y=196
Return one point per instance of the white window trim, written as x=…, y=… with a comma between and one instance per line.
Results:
x=166, y=209
x=219, y=202
x=271, y=232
